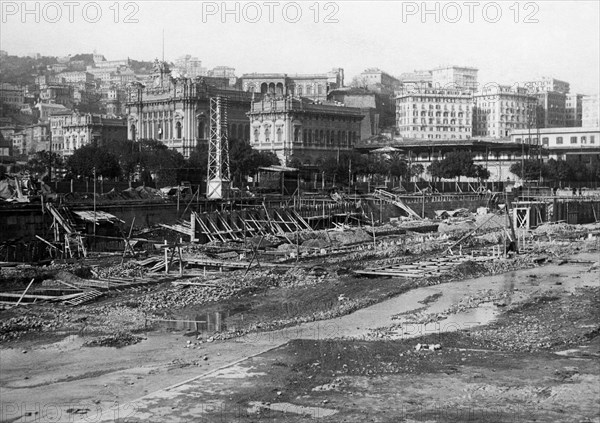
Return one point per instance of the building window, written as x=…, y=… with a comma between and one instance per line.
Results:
x=559, y=140
x=518, y=140
x=545, y=141
x=256, y=135
x=583, y=140
x=280, y=135
x=178, y=130
x=573, y=140
x=592, y=139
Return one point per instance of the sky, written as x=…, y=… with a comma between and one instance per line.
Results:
x=508, y=41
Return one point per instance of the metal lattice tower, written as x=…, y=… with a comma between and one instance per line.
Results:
x=217, y=183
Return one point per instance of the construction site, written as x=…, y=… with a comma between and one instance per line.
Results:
x=393, y=304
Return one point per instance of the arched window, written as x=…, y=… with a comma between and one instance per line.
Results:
x=309, y=90
x=321, y=139
x=304, y=138
x=264, y=88
x=178, y=130
x=279, y=89
x=279, y=135
x=272, y=88
x=256, y=135
x=299, y=90
x=267, y=134
x=133, y=134
x=201, y=134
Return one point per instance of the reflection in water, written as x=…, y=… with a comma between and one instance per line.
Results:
x=196, y=323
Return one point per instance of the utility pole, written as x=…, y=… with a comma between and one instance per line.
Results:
x=94, y=203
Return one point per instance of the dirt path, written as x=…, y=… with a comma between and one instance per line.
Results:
x=57, y=381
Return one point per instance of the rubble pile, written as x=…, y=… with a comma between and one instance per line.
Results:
x=17, y=326
x=545, y=322
x=128, y=269
x=117, y=340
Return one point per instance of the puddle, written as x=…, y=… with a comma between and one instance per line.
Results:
x=196, y=323
x=286, y=407
x=238, y=372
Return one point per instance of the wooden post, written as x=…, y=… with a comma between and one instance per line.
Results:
x=166, y=257
x=180, y=257
x=24, y=292
x=373, y=227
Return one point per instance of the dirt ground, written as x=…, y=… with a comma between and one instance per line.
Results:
x=322, y=343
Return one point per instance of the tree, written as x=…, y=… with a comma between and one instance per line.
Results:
x=43, y=161
x=558, y=170
x=244, y=160
x=85, y=159
x=456, y=164
x=529, y=169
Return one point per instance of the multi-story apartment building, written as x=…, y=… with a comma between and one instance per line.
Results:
x=12, y=94
x=30, y=139
x=551, y=109
x=45, y=110
x=379, y=112
x=415, y=81
x=46, y=80
x=377, y=80
x=189, y=67
x=75, y=77
x=177, y=112
x=57, y=94
x=455, y=78
x=546, y=83
x=434, y=114
x=300, y=128
x=574, y=110
x=70, y=131
x=589, y=107
x=313, y=86
x=501, y=109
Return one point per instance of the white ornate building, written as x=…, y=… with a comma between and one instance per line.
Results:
x=434, y=114
x=175, y=111
x=299, y=127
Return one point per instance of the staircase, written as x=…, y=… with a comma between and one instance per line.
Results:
x=396, y=201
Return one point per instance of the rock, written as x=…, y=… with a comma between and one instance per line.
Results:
x=205, y=358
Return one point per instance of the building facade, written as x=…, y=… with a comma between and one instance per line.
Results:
x=590, y=111
x=574, y=110
x=70, y=131
x=546, y=84
x=434, y=114
x=313, y=86
x=12, y=94
x=377, y=108
x=496, y=156
x=578, y=144
x=300, y=128
x=455, y=78
x=379, y=81
x=501, y=109
x=551, y=109
x=177, y=111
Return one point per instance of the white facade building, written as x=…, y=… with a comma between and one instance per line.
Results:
x=501, y=109
x=434, y=114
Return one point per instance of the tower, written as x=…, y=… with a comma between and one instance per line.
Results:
x=217, y=182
